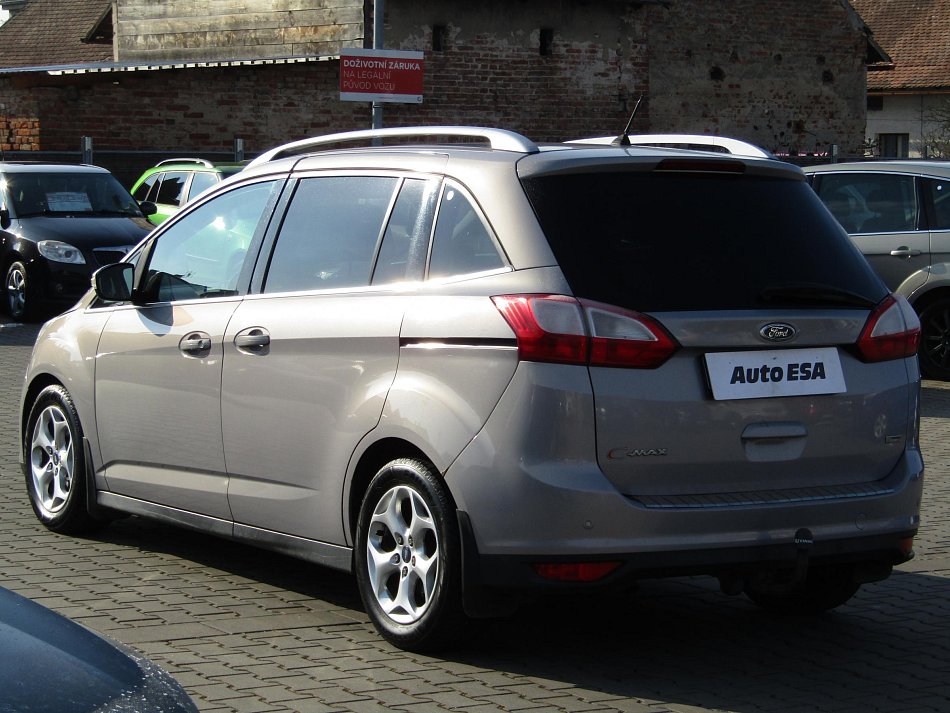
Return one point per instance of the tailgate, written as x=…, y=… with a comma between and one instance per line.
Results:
x=727, y=415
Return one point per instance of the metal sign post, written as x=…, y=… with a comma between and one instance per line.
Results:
x=379, y=9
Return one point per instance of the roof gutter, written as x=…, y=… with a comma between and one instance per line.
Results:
x=110, y=67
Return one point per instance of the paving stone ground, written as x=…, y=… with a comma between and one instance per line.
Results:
x=245, y=630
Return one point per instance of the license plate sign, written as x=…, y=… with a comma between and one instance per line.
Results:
x=773, y=373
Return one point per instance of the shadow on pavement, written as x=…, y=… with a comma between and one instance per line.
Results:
x=678, y=641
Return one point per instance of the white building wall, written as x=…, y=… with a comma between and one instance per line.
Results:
x=904, y=114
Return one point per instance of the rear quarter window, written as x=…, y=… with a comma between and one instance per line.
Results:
x=462, y=242
x=693, y=241
x=201, y=181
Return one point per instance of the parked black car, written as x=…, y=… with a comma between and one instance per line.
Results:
x=58, y=224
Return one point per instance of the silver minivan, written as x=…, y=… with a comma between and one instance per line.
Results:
x=898, y=214
x=476, y=372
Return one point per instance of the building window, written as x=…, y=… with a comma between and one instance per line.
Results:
x=546, y=41
x=440, y=35
x=876, y=103
x=894, y=145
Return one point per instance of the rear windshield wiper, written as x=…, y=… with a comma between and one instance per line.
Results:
x=813, y=293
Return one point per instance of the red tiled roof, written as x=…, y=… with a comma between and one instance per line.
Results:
x=50, y=32
x=916, y=35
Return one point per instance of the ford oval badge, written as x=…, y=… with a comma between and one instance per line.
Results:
x=778, y=332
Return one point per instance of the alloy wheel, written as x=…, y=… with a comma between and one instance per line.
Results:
x=52, y=459
x=16, y=291
x=402, y=554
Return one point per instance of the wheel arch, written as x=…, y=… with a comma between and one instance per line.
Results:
x=40, y=382
x=370, y=461
x=925, y=298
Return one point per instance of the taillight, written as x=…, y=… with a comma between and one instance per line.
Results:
x=623, y=338
x=891, y=332
x=564, y=330
x=547, y=327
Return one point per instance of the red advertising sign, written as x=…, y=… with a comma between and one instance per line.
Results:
x=381, y=76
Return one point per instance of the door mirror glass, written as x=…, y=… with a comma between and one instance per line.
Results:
x=113, y=283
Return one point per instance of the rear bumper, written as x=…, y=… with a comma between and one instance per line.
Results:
x=873, y=556
x=496, y=585
x=530, y=491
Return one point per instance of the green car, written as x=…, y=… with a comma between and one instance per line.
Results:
x=173, y=182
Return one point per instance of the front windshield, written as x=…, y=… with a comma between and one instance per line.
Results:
x=69, y=194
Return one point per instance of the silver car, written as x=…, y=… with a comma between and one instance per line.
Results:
x=898, y=214
x=473, y=373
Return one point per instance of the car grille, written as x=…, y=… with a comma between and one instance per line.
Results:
x=107, y=256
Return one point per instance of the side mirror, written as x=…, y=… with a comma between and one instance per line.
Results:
x=113, y=283
x=148, y=208
x=4, y=218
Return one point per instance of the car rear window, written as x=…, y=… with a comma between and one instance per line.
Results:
x=655, y=241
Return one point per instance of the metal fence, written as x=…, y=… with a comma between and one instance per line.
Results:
x=126, y=165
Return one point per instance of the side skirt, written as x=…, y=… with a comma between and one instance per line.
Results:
x=321, y=553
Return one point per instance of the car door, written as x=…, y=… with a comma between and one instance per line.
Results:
x=158, y=367
x=308, y=361
x=936, y=193
x=881, y=212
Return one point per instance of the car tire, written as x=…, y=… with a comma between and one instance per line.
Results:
x=935, y=339
x=18, y=300
x=408, y=557
x=55, y=465
x=823, y=589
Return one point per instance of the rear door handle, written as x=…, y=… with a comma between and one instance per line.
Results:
x=253, y=339
x=904, y=251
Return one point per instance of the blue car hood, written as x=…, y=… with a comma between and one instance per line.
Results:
x=49, y=664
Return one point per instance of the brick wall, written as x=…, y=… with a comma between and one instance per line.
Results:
x=787, y=74
x=791, y=79
x=181, y=111
x=491, y=68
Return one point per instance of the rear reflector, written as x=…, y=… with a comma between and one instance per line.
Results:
x=565, y=330
x=891, y=332
x=576, y=571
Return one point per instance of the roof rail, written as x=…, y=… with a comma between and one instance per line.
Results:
x=199, y=161
x=701, y=142
x=499, y=139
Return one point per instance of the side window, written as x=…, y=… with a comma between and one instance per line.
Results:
x=328, y=237
x=402, y=256
x=462, y=243
x=202, y=254
x=939, y=193
x=170, y=191
x=870, y=202
x=141, y=193
x=201, y=181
